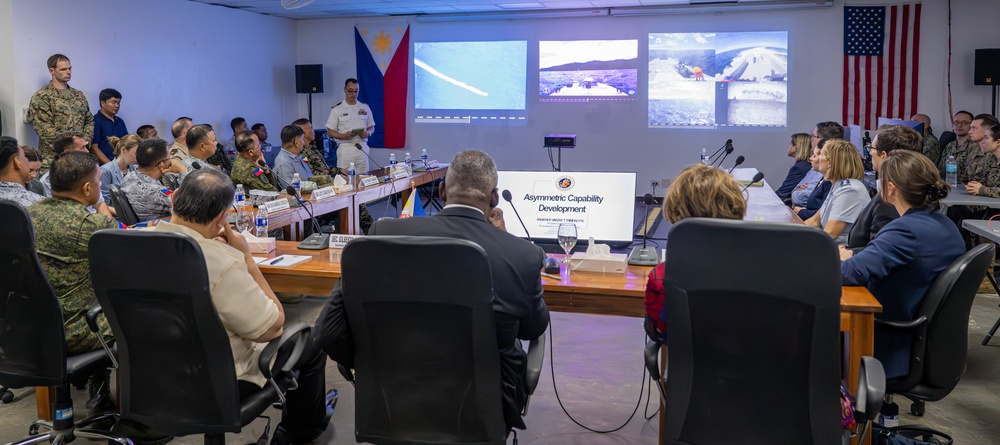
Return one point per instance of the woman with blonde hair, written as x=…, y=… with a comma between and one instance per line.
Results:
x=841, y=163
x=799, y=148
x=114, y=172
x=699, y=191
x=905, y=257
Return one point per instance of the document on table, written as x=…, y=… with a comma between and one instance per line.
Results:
x=281, y=260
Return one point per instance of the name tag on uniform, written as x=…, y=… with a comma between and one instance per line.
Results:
x=276, y=205
x=369, y=181
x=324, y=192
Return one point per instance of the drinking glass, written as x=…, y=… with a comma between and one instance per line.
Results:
x=567, y=238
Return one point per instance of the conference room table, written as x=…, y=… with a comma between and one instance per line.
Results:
x=959, y=197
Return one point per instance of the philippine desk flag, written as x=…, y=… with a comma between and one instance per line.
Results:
x=412, y=207
x=383, y=52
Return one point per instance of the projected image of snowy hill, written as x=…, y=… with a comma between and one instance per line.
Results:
x=758, y=94
x=676, y=96
x=470, y=75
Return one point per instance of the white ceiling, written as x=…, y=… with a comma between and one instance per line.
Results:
x=321, y=9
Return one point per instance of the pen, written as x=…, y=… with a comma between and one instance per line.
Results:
x=551, y=276
x=276, y=261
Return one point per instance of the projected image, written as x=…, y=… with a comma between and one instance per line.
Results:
x=718, y=79
x=470, y=75
x=574, y=70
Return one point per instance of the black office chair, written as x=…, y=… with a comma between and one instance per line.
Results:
x=32, y=340
x=176, y=366
x=119, y=200
x=754, y=343
x=426, y=361
x=940, y=332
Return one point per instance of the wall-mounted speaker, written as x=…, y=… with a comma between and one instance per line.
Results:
x=987, y=66
x=308, y=79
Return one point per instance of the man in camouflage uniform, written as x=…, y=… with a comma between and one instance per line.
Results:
x=58, y=108
x=932, y=147
x=977, y=160
x=62, y=232
x=149, y=198
x=246, y=168
x=961, y=147
x=14, y=174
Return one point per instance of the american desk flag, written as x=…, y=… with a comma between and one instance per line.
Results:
x=881, y=59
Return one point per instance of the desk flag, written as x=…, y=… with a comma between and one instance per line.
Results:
x=412, y=207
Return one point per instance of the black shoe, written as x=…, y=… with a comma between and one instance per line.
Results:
x=139, y=434
x=99, y=387
x=284, y=437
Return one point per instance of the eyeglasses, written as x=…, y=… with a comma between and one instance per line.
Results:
x=352, y=91
x=814, y=136
x=962, y=123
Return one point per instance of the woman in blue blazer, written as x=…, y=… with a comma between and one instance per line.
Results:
x=905, y=257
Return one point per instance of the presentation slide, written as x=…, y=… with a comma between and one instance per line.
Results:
x=586, y=70
x=601, y=204
x=467, y=82
x=716, y=80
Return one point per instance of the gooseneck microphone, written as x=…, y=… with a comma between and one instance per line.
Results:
x=291, y=191
x=318, y=240
x=382, y=178
x=551, y=265
x=739, y=161
x=729, y=149
x=756, y=179
x=729, y=142
x=644, y=256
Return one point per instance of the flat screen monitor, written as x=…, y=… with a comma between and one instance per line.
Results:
x=601, y=204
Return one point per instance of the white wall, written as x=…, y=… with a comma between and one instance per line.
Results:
x=613, y=136
x=168, y=58
x=7, y=88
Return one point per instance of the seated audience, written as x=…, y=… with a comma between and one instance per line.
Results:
x=149, y=198
x=147, y=132
x=905, y=257
x=14, y=174
x=123, y=163
x=201, y=145
x=931, y=146
x=249, y=311
x=34, y=166
x=238, y=125
x=179, y=130
x=312, y=153
x=63, y=226
x=699, y=191
x=847, y=196
x=247, y=169
x=67, y=142
x=978, y=162
x=878, y=213
x=291, y=159
x=270, y=152
x=819, y=191
x=800, y=149
x=991, y=175
x=470, y=194
x=961, y=147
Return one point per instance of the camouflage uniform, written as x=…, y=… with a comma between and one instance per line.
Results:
x=316, y=161
x=975, y=165
x=961, y=153
x=932, y=148
x=989, y=170
x=52, y=111
x=149, y=198
x=62, y=233
x=13, y=191
x=243, y=173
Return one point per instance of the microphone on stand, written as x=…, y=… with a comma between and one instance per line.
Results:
x=550, y=264
x=384, y=178
x=756, y=179
x=739, y=161
x=729, y=143
x=318, y=240
x=644, y=256
x=729, y=149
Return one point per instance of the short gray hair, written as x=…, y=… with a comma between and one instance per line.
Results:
x=203, y=195
x=472, y=174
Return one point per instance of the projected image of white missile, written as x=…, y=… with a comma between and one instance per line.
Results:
x=422, y=65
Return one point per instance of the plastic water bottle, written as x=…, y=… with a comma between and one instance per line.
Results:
x=392, y=159
x=297, y=184
x=423, y=158
x=352, y=174
x=888, y=416
x=261, y=222
x=240, y=198
x=408, y=163
x=951, y=171
x=704, y=156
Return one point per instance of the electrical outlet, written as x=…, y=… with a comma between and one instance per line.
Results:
x=654, y=183
x=24, y=116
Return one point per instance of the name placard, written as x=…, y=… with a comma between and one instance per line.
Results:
x=400, y=174
x=338, y=241
x=369, y=181
x=324, y=192
x=276, y=205
x=432, y=164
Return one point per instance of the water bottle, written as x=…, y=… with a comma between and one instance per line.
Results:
x=297, y=184
x=423, y=158
x=704, y=156
x=261, y=222
x=888, y=416
x=407, y=162
x=392, y=159
x=240, y=198
x=951, y=171
x=352, y=174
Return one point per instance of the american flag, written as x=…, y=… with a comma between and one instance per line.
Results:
x=881, y=59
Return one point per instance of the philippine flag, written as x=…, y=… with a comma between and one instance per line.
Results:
x=383, y=52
